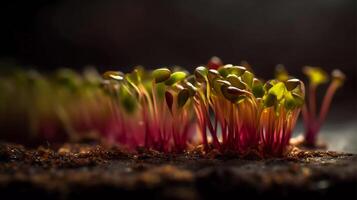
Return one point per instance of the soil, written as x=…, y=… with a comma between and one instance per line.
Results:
x=76, y=171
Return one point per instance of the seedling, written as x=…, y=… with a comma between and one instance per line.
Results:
x=312, y=121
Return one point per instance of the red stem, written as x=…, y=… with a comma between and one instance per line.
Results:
x=312, y=101
x=327, y=102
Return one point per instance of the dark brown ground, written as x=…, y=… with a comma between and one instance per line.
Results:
x=93, y=171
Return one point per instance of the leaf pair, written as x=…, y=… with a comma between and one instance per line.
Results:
x=289, y=93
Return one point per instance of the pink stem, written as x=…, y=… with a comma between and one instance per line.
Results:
x=199, y=108
x=305, y=116
x=327, y=102
x=312, y=101
x=211, y=129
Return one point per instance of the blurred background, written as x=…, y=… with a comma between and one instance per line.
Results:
x=111, y=34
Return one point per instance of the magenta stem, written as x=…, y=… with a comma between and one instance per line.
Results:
x=312, y=101
x=327, y=101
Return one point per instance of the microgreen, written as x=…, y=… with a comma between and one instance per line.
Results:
x=312, y=121
x=247, y=115
x=161, y=119
x=233, y=109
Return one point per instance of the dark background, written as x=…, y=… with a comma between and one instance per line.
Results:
x=109, y=33
x=113, y=34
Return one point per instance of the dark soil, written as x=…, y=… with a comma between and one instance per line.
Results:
x=76, y=171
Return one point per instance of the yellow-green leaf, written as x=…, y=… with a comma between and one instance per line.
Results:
x=236, y=81
x=201, y=74
x=316, y=75
x=175, y=77
x=247, y=78
x=113, y=75
x=161, y=74
x=278, y=90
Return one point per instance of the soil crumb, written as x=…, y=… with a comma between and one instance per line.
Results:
x=73, y=171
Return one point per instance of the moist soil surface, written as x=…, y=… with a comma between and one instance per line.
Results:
x=76, y=171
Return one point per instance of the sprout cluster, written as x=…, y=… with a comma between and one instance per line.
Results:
x=56, y=107
x=159, y=109
x=317, y=77
x=153, y=108
x=248, y=115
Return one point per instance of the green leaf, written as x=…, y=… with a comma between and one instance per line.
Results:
x=289, y=101
x=212, y=74
x=218, y=83
x=247, y=78
x=299, y=99
x=280, y=73
x=236, y=81
x=175, y=77
x=269, y=84
x=113, y=75
x=224, y=70
x=232, y=93
x=278, y=90
x=238, y=70
x=316, y=75
x=201, y=74
x=293, y=100
x=269, y=100
x=161, y=75
x=257, y=88
x=230, y=69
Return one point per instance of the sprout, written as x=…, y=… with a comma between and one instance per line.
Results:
x=212, y=74
x=201, y=74
x=279, y=116
x=247, y=78
x=114, y=75
x=232, y=93
x=312, y=120
x=316, y=75
x=161, y=74
x=175, y=77
x=230, y=69
x=338, y=77
x=280, y=73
